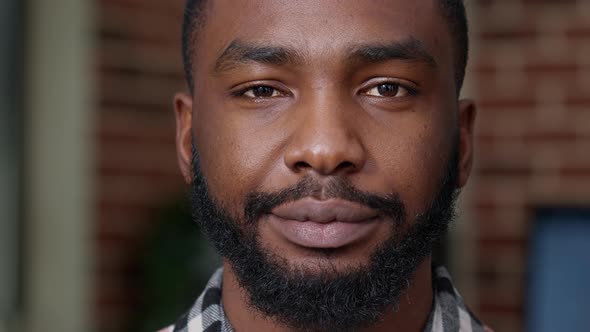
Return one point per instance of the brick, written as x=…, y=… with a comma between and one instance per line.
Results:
x=136, y=125
x=505, y=295
x=503, y=223
x=557, y=190
x=137, y=190
x=138, y=69
x=505, y=123
x=511, y=12
x=500, y=159
x=533, y=142
x=148, y=26
x=127, y=223
x=140, y=57
x=499, y=260
x=134, y=90
x=152, y=160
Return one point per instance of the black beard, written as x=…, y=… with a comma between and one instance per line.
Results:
x=328, y=299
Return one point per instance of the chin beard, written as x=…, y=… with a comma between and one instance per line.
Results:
x=324, y=298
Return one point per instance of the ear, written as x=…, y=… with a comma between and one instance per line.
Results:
x=183, y=110
x=467, y=114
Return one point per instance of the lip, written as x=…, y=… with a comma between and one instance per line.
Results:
x=308, y=209
x=326, y=224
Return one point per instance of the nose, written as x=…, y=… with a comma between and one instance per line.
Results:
x=326, y=141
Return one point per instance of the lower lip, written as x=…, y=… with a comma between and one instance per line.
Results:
x=328, y=235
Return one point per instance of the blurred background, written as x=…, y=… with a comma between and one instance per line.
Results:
x=94, y=234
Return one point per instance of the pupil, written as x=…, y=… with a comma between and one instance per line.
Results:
x=263, y=91
x=388, y=89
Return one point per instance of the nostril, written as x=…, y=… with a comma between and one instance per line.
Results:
x=301, y=165
x=346, y=165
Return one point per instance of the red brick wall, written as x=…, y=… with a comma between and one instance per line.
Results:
x=530, y=72
x=139, y=69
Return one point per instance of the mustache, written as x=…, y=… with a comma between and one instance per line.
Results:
x=258, y=204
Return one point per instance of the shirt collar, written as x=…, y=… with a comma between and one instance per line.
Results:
x=449, y=312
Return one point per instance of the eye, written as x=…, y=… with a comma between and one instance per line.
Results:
x=388, y=90
x=261, y=91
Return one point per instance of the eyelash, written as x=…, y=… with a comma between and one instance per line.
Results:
x=411, y=91
x=241, y=92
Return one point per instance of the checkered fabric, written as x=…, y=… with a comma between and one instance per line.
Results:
x=449, y=312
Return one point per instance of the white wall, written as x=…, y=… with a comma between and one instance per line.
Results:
x=59, y=147
x=10, y=157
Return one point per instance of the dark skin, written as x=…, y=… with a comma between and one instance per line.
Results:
x=359, y=89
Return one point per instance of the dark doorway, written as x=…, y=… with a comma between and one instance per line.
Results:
x=559, y=271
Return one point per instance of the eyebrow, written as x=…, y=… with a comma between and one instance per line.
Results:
x=410, y=49
x=241, y=52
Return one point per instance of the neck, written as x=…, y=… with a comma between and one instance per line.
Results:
x=411, y=312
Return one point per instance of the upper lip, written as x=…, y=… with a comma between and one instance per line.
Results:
x=309, y=209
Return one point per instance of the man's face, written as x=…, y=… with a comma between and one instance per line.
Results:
x=322, y=96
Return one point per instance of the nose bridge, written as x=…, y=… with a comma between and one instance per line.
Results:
x=326, y=138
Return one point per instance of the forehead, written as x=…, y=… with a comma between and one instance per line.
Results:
x=323, y=26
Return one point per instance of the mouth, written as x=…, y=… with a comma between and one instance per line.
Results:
x=328, y=224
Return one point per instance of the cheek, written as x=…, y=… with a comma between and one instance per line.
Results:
x=236, y=154
x=411, y=159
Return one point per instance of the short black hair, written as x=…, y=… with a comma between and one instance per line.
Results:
x=193, y=18
x=453, y=11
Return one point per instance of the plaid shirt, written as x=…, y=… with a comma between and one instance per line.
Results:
x=449, y=313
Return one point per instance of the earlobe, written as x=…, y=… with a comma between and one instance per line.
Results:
x=183, y=111
x=467, y=115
